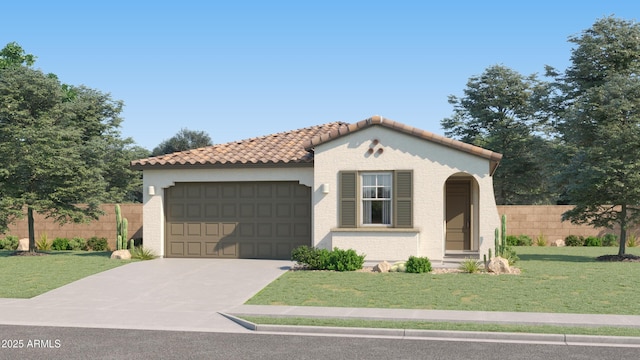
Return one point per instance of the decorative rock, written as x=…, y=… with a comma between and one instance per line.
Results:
x=121, y=254
x=558, y=243
x=499, y=265
x=382, y=267
x=23, y=245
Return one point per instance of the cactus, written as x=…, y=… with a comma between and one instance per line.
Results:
x=122, y=230
x=132, y=244
x=500, y=239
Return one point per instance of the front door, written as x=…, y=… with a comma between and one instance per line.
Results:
x=458, y=214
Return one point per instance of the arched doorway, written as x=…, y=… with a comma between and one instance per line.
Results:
x=460, y=213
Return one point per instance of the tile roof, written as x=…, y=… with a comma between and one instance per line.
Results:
x=296, y=147
x=282, y=148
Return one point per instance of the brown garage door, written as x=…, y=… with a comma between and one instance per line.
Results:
x=262, y=220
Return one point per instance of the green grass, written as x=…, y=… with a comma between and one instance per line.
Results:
x=445, y=326
x=555, y=280
x=29, y=276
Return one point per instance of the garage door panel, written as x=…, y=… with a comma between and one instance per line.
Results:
x=211, y=211
x=212, y=229
x=194, y=229
x=194, y=248
x=247, y=210
x=231, y=220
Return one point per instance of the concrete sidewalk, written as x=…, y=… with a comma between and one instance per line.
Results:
x=484, y=317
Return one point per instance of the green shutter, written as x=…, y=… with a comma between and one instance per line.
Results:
x=403, y=199
x=348, y=199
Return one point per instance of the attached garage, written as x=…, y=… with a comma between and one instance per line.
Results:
x=264, y=220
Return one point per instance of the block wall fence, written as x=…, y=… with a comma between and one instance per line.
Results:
x=531, y=220
x=103, y=227
x=534, y=220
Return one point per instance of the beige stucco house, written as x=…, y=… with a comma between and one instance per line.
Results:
x=377, y=186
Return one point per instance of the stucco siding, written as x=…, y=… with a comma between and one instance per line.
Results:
x=432, y=165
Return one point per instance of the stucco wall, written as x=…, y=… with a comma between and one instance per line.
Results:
x=432, y=165
x=154, y=215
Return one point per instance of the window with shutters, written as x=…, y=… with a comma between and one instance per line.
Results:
x=376, y=199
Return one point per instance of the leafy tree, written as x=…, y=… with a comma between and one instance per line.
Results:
x=51, y=148
x=185, y=139
x=500, y=111
x=599, y=96
x=14, y=55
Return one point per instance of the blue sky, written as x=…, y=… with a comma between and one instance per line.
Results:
x=240, y=69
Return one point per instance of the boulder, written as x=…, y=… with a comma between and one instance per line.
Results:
x=558, y=243
x=382, y=267
x=499, y=265
x=121, y=254
x=23, y=244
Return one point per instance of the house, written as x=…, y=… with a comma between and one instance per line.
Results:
x=380, y=187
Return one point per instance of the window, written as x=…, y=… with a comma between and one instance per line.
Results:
x=376, y=198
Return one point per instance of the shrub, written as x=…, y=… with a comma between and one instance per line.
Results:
x=98, y=244
x=469, y=266
x=10, y=242
x=141, y=253
x=610, y=240
x=541, y=240
x=592, y=241
x=512, y=240
x=312, y=258
x=573, y=240
x=43, y=244
x=60, y=244
x=418, y=265
x=521, y=240
x=323, y=259
x=510, y=254
x=78, y=243
x=632, y=240
x=345, y=260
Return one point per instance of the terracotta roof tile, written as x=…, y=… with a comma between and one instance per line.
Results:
x=282, y=148
x=295, y=147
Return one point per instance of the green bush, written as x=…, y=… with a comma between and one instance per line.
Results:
x=10, y=242
x=573, y=240
x=323, y=259
x=60, y=244
x=98, y=244
x=610, y=240
x=418, y=265
x=592, y=241
x=78, y=243
x=345, y=260
x=521, y=240
x=512, y=240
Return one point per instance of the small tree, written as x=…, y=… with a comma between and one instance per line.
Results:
x=185, y=139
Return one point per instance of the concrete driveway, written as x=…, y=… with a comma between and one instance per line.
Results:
x=162, y=294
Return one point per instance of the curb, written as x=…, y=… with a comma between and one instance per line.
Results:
x=413, y=334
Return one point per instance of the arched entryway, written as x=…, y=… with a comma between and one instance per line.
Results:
x=461, y=216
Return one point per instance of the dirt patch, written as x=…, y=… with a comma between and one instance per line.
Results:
x=625, y=257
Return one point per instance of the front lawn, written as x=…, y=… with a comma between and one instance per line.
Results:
x=29, y=276
x=556, y=280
